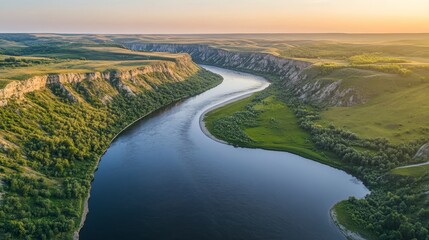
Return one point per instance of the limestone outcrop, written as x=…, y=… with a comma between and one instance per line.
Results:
x=130, y=80
x=293, y=73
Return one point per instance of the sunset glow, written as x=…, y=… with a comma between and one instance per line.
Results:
x=222, y=16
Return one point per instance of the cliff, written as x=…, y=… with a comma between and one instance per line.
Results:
x=294, y=74
x=50, y=146
x=130, y=80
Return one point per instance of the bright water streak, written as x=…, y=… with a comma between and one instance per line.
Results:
x=164, y=179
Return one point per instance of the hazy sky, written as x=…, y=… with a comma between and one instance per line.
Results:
x=213, y=16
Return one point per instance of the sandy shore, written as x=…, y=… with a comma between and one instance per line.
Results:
x=203, y=115
x=347, y=233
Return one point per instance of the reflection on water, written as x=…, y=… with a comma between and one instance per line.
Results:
x=164, y=179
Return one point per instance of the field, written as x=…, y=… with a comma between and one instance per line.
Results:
x=51, y=139
x=65, y=58
x=369, y=139
x=275, y=128
x=400, y=116
x=416, y=172
x=311, y=47
x=385, y=69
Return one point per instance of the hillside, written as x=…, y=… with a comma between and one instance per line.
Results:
x=58, y=122
x=355, y=102
x=367, y=109
x=339, y=72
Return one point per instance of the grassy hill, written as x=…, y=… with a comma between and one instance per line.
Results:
x=370, y=138
x=383, y=69
x=76, y=59
x=52, y=138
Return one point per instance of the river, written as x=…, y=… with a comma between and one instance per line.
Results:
x=163, y=178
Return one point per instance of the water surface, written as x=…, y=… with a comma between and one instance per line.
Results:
x=164, y=179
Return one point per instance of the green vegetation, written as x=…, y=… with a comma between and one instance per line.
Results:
x=11, y=62
x=262, y=121
x=389, y=212
x=23, y=70
x=51, y=141
x=37, y=57
x=410, y=48
x=416, y=172
x=388, y=73
x=341, y=211
x=373, y=58
x=386, y=215
x=43, y=170
x=53, y=146
x=400, y=116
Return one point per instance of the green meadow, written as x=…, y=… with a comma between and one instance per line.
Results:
x=41, y=60
x=275, y=128
x=417, y=171
x=369, y=139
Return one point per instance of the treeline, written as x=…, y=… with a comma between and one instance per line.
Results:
x=373, y=58
x=11, y=62
x=359, y=154
x=396, y=208
x=55, y=146
x=229, y=128
x=391, y=215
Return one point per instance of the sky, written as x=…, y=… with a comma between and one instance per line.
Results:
x=214, y=16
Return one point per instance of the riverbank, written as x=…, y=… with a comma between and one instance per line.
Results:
x=362, y=149
x=273, y=127
x=265, y=129
x=148, y=163
x=203, y=115
x=85, y=207
x=57, y=146
x=346, y=232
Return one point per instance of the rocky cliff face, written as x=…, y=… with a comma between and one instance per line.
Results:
x=328, y=93
x=131, y=81
x=292, y=72
x=259, y=62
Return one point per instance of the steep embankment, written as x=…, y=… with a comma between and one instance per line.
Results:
x=298, y=76
x=122, y=80
x=396, y=208
x=55, y=127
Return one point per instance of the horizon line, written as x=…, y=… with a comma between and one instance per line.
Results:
x=219, y=33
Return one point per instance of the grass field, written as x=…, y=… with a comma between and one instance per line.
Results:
x=43, y=190
x=399, y=116
x=417, y=171
x=389, y=71
x=276, y=129
x=312, y=47
x=79, y=60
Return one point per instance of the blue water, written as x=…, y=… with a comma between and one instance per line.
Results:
x=163, y=178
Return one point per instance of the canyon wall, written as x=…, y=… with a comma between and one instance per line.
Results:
x=293, y=74
x=129, y=80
